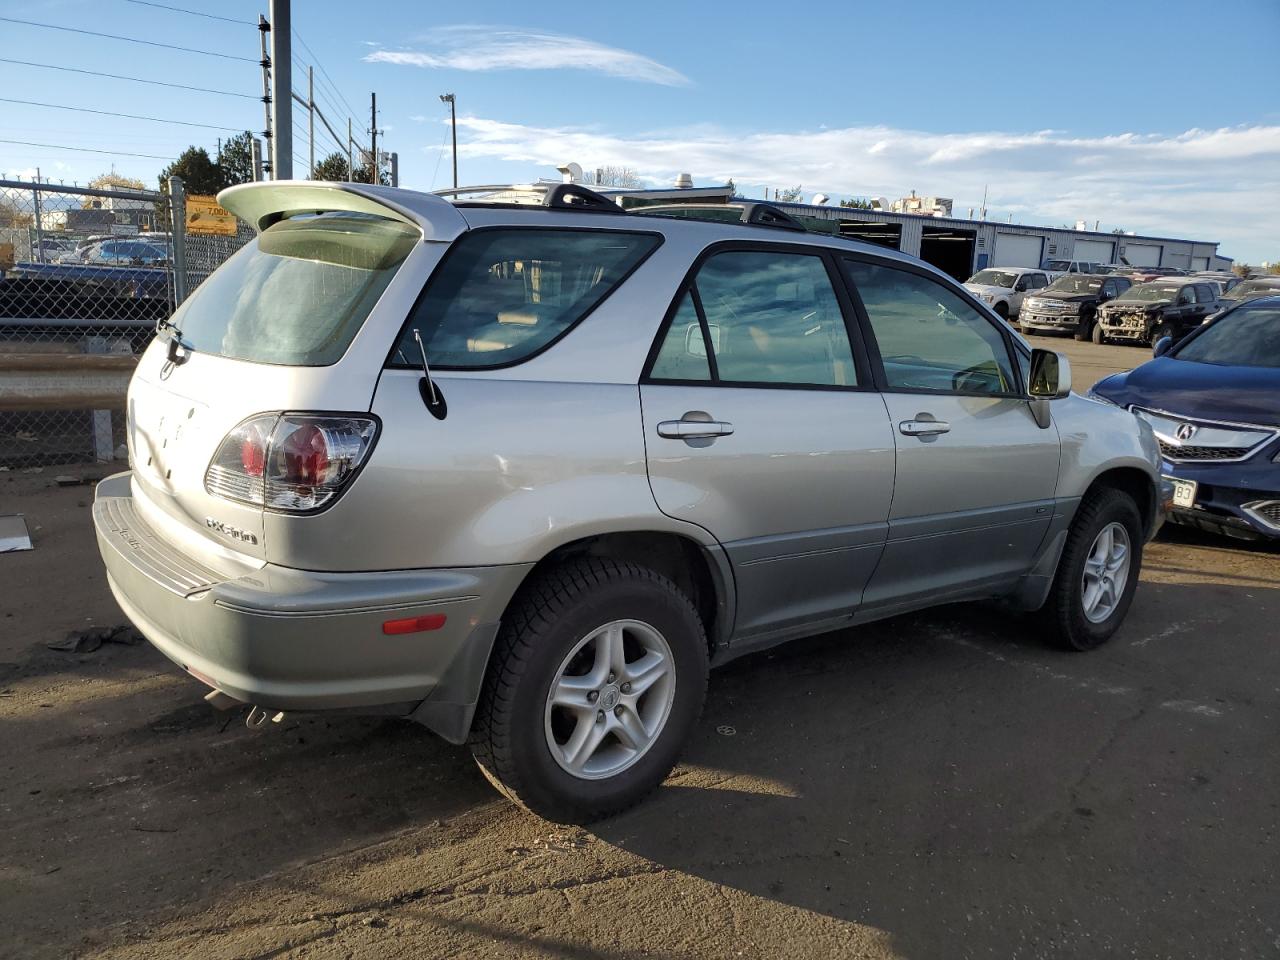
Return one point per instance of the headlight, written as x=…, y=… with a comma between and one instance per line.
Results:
x=1071, y=308
x=988, y=297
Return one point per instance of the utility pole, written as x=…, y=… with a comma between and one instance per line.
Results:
x=395, y=169
x=351, y=170
x=311, y=123
x=373, y=138
x=281, y=92
x=255, y=152
x=453, y=123
x=264, y=28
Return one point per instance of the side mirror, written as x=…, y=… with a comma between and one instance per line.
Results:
x=1050, y=375
x=1163, y=346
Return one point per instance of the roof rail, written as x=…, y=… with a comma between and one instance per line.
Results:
x=560, y=196
x=748, y=211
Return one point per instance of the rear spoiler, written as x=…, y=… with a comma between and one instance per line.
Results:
x=262, y=204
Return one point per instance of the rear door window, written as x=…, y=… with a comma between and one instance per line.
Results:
x=297, y=294
x=503, y=295
x=768, y=317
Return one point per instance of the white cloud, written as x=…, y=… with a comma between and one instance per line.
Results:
x=1201, y=184
x=502, y=48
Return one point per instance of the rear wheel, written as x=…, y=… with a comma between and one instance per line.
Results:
x=1098, y=572
x=595, y=684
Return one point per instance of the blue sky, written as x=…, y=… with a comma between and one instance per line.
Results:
x=1156, y=117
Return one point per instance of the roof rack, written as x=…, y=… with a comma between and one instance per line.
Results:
x=559, y=196
x=751, y=212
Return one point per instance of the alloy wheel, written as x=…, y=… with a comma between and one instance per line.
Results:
x=610, y=699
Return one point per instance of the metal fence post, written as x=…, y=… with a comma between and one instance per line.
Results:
x=395, y=169
x=178, y=221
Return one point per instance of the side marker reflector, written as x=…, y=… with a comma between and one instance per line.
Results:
x=431, y=621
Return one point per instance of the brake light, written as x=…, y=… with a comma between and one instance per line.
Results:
x=290, y=462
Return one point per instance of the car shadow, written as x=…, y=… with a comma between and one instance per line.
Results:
x=948, y=779
x=944, y=777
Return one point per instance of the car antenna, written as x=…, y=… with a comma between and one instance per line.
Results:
x=435, y=402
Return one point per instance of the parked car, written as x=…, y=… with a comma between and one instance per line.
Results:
x=1003, y=288
x=521, y=472
x=1070, y=304
x=1213, y=401
x=1152, y=311
x=1071, y=266
x=117, y=252
x=49, y=249
x=1224, y=282
x=1250, y=290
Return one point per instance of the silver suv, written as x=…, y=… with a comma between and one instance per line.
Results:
x=523, y=469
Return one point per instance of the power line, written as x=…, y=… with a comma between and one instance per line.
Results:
x=59, y=146
x=111, y=113
x=194, y=13
x=324, y=73
x=113, y=36
x=117, y=76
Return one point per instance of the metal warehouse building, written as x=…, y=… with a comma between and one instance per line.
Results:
x=962, y=247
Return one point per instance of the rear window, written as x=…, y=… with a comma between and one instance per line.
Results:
x=296, y=294
x=502, y=295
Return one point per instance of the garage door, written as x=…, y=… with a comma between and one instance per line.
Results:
x=1199, y=263
x=1016, y=250
x=1142, y=254
x=1095, y=251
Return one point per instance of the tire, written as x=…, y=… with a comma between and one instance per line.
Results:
x=1160, y=331
x=1070, y=625
x=541, y=646
x=1097, y=334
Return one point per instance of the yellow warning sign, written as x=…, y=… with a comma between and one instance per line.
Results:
x=205, y=216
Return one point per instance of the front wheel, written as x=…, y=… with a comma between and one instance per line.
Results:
x=1097, y=334
x=1098, y=572
x=595, y=683
x=1160, y=331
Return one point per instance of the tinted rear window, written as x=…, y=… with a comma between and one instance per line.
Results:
x=296, y=294
x=500, y=296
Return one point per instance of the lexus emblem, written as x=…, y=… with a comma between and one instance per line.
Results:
x=1185, y=431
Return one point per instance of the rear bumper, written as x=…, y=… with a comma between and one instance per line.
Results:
x=287, y=639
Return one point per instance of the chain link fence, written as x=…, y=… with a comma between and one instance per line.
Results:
x=85, y=272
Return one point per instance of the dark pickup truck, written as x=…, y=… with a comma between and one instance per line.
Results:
x=1070, y=304
x=1152, y=311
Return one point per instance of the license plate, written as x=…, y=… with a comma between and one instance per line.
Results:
x=1184, y=493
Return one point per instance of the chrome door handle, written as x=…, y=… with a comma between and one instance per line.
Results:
x=923, y=428
x=694, y=429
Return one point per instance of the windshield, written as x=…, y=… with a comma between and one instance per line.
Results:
x=1148, y=293
x=1255, y=286
x=1075, y=283
x=994, y=278
x=296, y=294
x=1246, y=337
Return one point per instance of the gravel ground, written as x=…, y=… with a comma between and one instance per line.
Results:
x=939, y=785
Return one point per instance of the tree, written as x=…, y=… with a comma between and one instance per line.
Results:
x=332, y=167
x=236, y=159
x=789, y=196
x=362, y=174
x=115, y=181
x=200, y=175
x=616, y=177
x=856, y=203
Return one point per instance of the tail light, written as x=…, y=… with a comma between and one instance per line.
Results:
x=290, y=462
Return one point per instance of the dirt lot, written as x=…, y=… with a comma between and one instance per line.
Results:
x=937, y=786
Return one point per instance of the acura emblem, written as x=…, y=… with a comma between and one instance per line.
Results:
x=1185, y=431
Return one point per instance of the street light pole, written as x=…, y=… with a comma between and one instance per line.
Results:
x=453, y=123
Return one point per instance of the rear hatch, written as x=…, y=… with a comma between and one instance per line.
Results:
x=299, y=320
